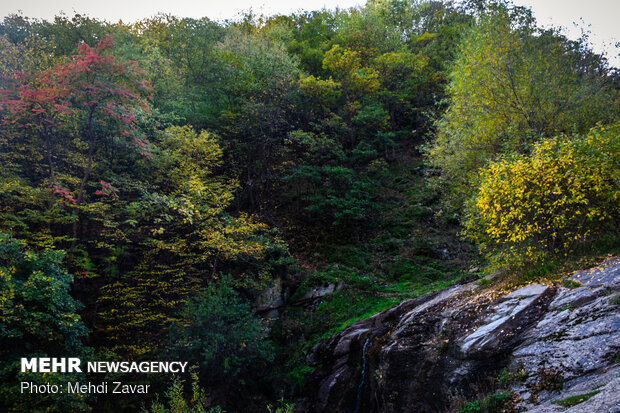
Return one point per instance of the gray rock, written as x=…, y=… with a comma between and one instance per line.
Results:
x=507, y=316
x=320, y=291
x=606, y=274
x=272, y=298
x=581, y=333
x=607, y=400
x=426, y=350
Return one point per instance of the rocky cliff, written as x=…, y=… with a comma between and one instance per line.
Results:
x=539, y=348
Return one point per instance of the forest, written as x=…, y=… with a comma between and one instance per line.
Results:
x=231, y=193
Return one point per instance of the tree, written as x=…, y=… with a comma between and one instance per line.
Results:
x=182, y=63
x=167, y=236
x=260, y=81
x=105, y=94
x=38, y=318
x=563, y=195
x=36, y=102
x=93, y=98
x=511, y=85
x=218, y=328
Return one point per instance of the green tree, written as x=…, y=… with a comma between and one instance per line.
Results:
x=219, y=328
x=261, y=89
x=169, y=236
x=180, y=57
x=38, y=318
x=511, y=85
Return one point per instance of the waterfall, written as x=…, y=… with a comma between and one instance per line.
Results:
x=358, y=402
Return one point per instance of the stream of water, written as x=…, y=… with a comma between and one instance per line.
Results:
x=360, y=388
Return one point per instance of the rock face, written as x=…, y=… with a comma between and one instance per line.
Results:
x=432, y=353
x=318, y=292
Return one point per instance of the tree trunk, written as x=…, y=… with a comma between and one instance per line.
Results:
x=82, y=190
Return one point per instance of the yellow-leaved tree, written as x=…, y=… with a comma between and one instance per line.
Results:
x=511, y=85
x=563, y=195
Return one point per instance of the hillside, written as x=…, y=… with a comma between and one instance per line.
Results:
x=368, y=209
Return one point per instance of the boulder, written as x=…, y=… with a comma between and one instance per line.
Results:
x=505, y=322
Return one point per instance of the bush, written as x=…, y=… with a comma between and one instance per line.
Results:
x=500, y=402
x=566, y=193
x=511, y=85
x=471, y=407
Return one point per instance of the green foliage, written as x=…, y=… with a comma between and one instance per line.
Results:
x=38, y=319
x=564, y=194
x=499, y=402
x=298, y=374
x=283, y=407
x=179, y=54
x=511, y=85
x=344, y=199
x=177, y=402
x=471, y=407
x=218, y=328
x=509, y=378
x=568, y=283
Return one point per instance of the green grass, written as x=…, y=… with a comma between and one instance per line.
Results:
x=493, y=403
x=615, y=300
x=568, y=283
x=575, y=400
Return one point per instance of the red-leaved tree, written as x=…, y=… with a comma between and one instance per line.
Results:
x=93, y=97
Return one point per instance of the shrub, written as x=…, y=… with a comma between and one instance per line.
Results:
x=566, y=193
x=549, y=379
x=508, y=378
x=471, y=407
x=511, y=85
x=177, y=402
x=499, y=402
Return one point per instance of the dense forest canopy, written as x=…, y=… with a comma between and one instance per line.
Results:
x=162, y=179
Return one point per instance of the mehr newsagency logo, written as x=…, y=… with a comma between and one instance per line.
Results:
x=74, y=365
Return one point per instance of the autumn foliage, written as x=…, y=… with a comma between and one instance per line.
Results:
x=203, y=178
x=562, y=195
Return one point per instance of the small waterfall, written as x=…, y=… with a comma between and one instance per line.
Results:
x=358, y=402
